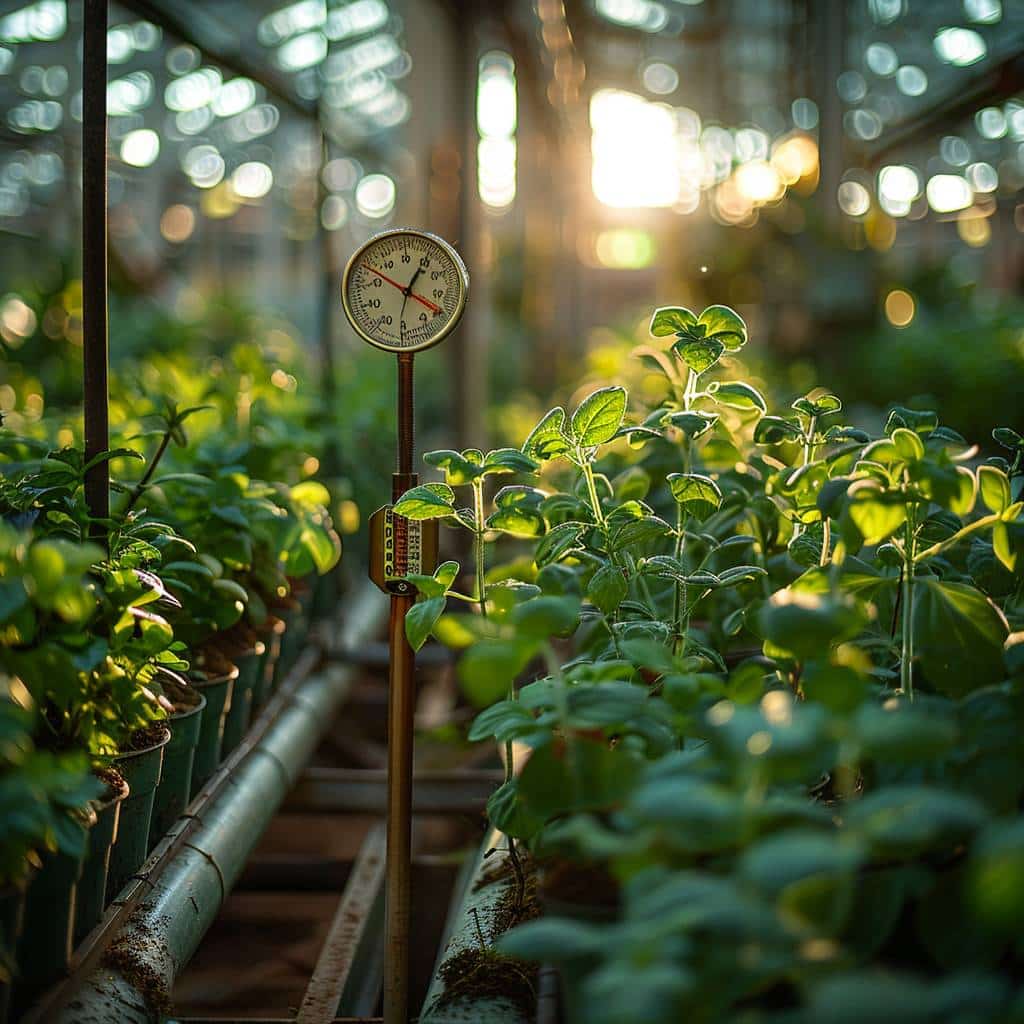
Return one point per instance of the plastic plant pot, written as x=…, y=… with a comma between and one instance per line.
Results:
x=92, y=886
x=250, y=669
x=173, y=793
x=12, y=907
x=141, y=770
x=273, y=631
x=295, y=632
x=239, y=715
x=44, y=948
x=218, y=693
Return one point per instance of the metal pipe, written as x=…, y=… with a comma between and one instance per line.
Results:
x=479, y=904
x=94, y=258
x=167, y=927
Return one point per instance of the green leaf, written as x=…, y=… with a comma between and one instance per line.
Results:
x=875, y=513
x=806, y=624
x=648, y=653
x=776, y=430
x=547, y=440
x=908, y=444
x=559, y=541
x=698, y=495
x=552, y=940
x=607, y=588
x=517, y=511
x=508, y=813
x=906, y=821
x=598, y=416
x=920, y=421
x=671, y=320
x=724, y=325
x=517, y=522
x=821, y=405
x=503, y=721
x=446, y=573
x=421, y=618
x=542, y=617
x=488, y=668
x=459, y=467
x=958, y=636
x=309, y=492
x=693, y=424
x=635, y=532
x=1008, y=438
x=427, y=501
x=737, y=395
x=699, y=354
x=508, y=460
x=994, y=486
x=586, y=775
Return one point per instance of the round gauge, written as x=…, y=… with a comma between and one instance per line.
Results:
x=404, y=290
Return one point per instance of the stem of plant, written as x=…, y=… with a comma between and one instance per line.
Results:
x=679, y=597
x=510, y=766
x=150, y=470
x=826, y=540
x=907, y=651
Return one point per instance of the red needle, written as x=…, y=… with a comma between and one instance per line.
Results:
x=412, y=295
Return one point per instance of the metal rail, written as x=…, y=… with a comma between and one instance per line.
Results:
x=363, y=790
x=348, y=929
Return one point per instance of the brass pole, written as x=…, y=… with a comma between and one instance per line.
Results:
x=401, y=707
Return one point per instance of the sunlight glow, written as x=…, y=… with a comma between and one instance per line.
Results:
x=635, y=151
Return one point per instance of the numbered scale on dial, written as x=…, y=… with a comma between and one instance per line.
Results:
x=404, y=290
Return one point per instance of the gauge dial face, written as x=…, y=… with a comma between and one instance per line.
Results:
x=404, y=290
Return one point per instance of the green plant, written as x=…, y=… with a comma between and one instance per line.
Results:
x=786, y=726
x=42, y=794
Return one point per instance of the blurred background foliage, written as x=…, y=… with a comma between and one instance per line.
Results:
x=848, y=176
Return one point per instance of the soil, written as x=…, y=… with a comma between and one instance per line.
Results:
x=144, y=976
x=240, y=639
x=480, y=972
x=212, y=662
x=183, y=697
x=483, y=974
x=113, y=780
x=148, y=736
x=590, y=885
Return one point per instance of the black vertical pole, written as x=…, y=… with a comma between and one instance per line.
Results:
x=94, y=255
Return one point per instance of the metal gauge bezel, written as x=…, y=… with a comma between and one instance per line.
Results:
x=448, y=249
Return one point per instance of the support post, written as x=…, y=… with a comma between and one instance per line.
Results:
x=401, y=707
x=94, y=257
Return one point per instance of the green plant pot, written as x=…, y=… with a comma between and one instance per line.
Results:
x=12, y=907
x=292, y=641
x=173, y=793
x=239, y=715
x=141, y=770
x=92, y=887
x=218, y=693
x=325, y=592
x=272, y=632
x=44, y=948
x=250, y=666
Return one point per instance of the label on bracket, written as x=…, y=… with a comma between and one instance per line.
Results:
x=399, y=547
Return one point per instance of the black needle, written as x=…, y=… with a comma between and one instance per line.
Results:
x=406, y=292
